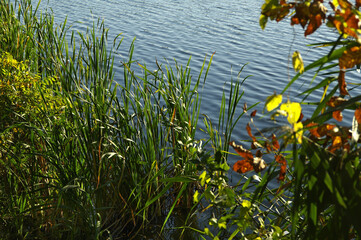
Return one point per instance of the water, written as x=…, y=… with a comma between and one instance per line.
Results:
x=167, y=30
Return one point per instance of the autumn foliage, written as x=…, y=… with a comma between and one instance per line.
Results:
x=323, y=170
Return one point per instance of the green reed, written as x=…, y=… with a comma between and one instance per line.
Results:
x=99, y=164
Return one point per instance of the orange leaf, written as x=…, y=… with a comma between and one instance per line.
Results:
x=249, y=162
x=335, y=101
x=246, y=154
x=280, y=159
x=268, y=146
x=242, y=166
x=249, y=131
x=324, y=129
x=275, y=143
x=337, y=115
x=313, y=130
x=336, y=143
x=358, y=115
x=345, y=20
x=358, y=3
x=342, y=83
x=350, y=58
x=312, y=15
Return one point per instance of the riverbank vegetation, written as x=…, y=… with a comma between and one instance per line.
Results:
x=85, y=157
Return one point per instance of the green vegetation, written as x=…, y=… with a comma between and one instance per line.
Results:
x=83, y=157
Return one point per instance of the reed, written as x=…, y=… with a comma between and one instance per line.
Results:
x=98, y=161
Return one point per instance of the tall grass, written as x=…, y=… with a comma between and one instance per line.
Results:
x=100, y=166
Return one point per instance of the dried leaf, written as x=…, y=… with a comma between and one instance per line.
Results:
x=342, y=83
x=275, y=10
x=249, y=131
x=337, y=115
x=249, y=162
x=313, y=129
x=358, y=115
x=335, y=101
x=275, y=143
x=336, y=144
x=350, y=58
x=358, y=3
x=345, y=20
x=242, y=166
x=312, y=14
x=280, y=159
x=246, y=154
x=325, y=129
x=253, y=114
x=245, y=107
x=259, y=164
x=256, y=145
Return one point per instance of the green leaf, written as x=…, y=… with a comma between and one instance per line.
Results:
x=313, y=213
x=340, y=199
x=328, y=181
x=208, y=232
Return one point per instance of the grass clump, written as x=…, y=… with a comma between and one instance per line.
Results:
x=94, y=156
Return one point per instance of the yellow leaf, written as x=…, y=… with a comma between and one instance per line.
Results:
x=297, y=62
x=195, y=197
x=298, y=128
x=293, y=110
x=273, y=101
x=246, y=204
x=263, y=21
